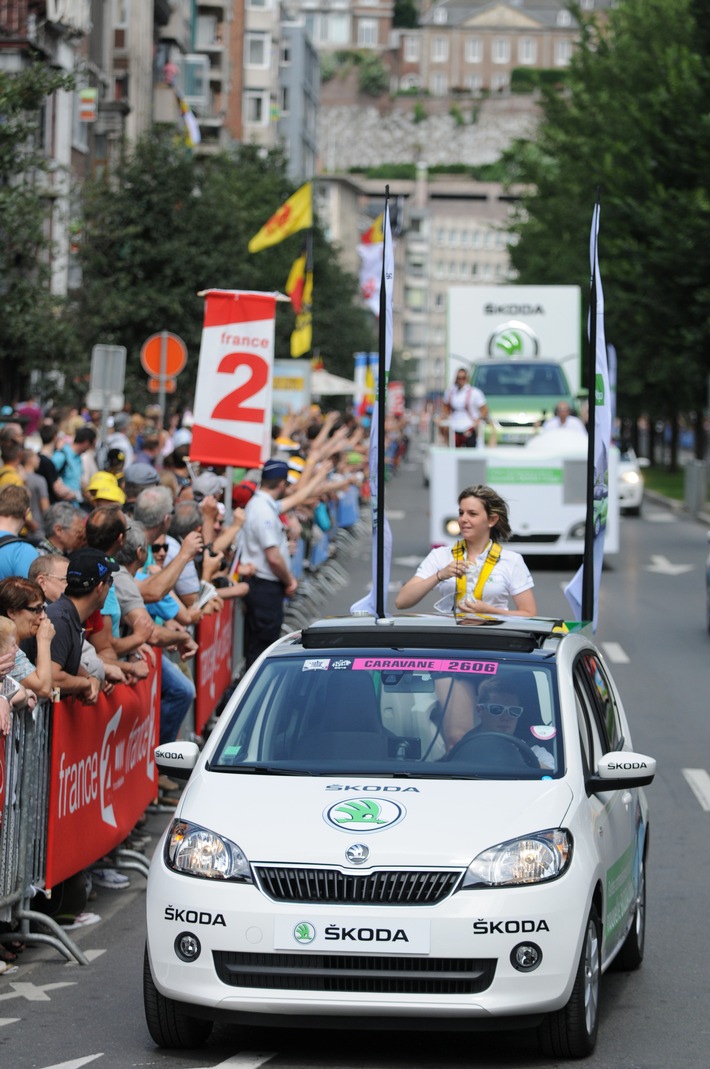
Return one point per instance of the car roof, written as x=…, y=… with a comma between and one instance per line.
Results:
x=513, y=634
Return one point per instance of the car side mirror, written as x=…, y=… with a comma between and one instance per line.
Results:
x=620, y=770
x=177, y=758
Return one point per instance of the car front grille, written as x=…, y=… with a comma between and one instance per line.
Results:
x=355, y=973
x=418, y=887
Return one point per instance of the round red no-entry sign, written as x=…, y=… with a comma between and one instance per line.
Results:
x=164, y=355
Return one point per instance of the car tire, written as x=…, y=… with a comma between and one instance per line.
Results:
x=168, y=1025
x=572, y=1031
x=630, y=956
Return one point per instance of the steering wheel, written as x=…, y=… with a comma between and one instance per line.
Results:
x=490, y=740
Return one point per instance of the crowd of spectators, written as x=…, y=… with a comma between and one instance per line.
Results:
x=112, y=551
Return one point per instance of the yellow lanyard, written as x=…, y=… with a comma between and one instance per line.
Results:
x=459, y=554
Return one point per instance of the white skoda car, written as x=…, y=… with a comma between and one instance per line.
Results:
x=411, y=823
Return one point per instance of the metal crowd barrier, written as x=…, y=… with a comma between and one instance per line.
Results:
x=318, y=567
x=23, y=832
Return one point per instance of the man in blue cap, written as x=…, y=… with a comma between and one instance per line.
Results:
x=265, y=546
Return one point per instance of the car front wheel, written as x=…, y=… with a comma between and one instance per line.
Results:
x=168, y=1025
x=572, y=1031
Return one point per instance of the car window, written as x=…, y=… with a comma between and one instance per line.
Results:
x=513, y=379
x=604, y=706
x=434, y=715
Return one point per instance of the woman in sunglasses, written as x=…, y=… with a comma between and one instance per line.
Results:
x=499, y=709
x=22, y=601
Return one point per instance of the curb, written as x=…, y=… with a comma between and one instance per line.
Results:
x=677, y=506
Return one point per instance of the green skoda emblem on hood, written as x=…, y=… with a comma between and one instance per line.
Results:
x=304, y=932
x=364, y=814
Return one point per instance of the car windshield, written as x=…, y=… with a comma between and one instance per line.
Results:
x=514, y=379
x=419, y=714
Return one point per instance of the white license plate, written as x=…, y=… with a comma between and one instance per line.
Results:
x=364, y=934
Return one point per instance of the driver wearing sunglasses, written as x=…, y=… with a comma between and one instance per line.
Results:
x=499, y=709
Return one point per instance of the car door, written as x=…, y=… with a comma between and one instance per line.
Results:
x=615, y=814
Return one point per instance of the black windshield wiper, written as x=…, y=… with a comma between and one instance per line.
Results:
x=262, y=770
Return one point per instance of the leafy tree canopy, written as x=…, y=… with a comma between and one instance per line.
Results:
x=170, y=225
x=31, y=330
x=635, y=123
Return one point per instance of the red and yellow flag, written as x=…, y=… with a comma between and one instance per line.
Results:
x=294, y=215
x=375, y=234
x=302, y=334
x=296, y=281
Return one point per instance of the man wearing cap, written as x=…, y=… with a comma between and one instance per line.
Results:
x=136, y=477
x=89, y=578
x=264, y=545
x=118, y=439
x=103, y=489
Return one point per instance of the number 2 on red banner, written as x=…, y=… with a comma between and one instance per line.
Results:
x=231, y=406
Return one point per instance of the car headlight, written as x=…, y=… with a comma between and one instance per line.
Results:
x=544, y=855
x=197, y=851
x=631, y=477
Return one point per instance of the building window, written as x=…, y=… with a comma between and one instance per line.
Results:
x=439, y=85
x=564, y=18
x=367, y=33
x=285, y=52
x=441, y=236
x=206, y=31
x=439, y=300
x=501, y=50
x=411, y=49
x=339, y=30
x=473, y=50
x=257, y=48
x=464, y=239
x=563, y=53
x=439, y=270
x=256, y=107
x=440, y=50
x=453, y=238
x=259, y=4
x=527, y=50
x=499, y=82
x=285, y=99
x=440, y=16
x=410, y=81
x=120, y=14
x=474, y=82
x=415, y=299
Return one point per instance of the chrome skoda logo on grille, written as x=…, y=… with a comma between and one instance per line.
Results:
x=357, y=854
x=304, y=932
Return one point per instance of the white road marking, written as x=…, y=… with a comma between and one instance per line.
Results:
x=32, y=992
x=395, y=514
x=615, y=652
x=9, y=1020
x=246, y=1060
x=75, y=1063
x=663, y=566
x=91, y=955
x=659, y=517
x=408, y=562
x=699, y=782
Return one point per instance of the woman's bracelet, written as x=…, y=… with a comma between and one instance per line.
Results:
x=437, y=577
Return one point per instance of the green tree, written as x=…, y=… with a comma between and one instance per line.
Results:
x=170, y=225
x=634, y=121
x=32, y=331
x=405, y=14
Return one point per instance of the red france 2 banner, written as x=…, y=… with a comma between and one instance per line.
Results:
x=102, y=774
x=213, y=667
x=232, y=413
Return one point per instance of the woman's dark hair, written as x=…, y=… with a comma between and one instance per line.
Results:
x=494, y=506
x=17, y=593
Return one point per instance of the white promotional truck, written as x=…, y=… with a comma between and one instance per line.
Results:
x=544, y=484
x=527, y=340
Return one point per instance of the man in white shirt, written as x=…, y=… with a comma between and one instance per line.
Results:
x=265, y=546
x=563, y=420
x=465, y=406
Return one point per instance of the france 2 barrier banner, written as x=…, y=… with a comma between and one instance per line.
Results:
x=102, y=773
x=213, y=666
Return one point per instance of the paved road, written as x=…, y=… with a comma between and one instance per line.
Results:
x=652, y=628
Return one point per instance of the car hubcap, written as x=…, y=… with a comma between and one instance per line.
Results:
x=591, y=977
